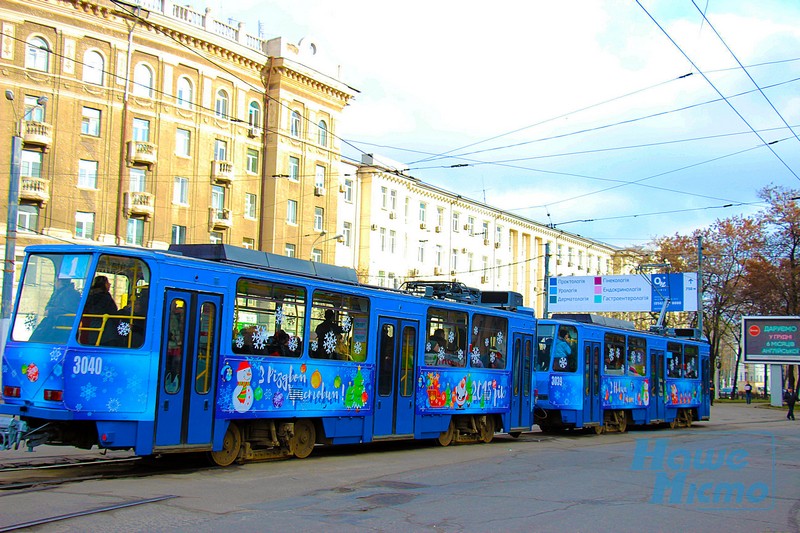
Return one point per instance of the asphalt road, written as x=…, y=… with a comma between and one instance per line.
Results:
x=738, y=472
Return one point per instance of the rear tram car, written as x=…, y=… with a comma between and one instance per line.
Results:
x=593, y=372
x=250, y=355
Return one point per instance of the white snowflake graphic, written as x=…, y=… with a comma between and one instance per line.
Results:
x=30, y=321
x=428, y=346
x=499, y=338
x=357, y=348
x=347, y=324
x=293, y=344
x=476, y=356
x=279, y=316
x=486, y=342
x=239, y=340
x=460, y=354
x=88, y=392
x=260, y=338
x=56, y=354
x=109, y=374
x=451, y=337
x=475, y=330
x=562, y=362
x=124, y=329
x=441, y=354
x=113, y=405
x=329, y=342
x=314, y=346
x=492, y=357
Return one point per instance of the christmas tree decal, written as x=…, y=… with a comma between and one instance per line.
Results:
x=355, y=396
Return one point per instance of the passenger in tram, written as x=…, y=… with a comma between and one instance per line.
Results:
x=64, y=301
x=99, y=304
x=326, y=346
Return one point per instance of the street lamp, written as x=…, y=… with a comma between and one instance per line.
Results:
x=13, y=207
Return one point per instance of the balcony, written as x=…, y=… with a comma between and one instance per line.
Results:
x=139, y=204
x=219, y=219
x=34, y=189
x=222, y=171
x=142, y=152
x=37, y=133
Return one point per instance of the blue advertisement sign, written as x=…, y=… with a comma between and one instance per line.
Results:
x=683, y=393
x=443, y=389
x=624, y=392
x=670, y=285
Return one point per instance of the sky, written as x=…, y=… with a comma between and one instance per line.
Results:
x=621, y=121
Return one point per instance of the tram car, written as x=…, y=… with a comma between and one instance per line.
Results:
x=249, y=355
x=595, y=372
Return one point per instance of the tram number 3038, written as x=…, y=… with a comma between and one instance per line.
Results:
x=83, y=364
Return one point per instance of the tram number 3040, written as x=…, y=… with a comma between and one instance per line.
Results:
x=83, y=364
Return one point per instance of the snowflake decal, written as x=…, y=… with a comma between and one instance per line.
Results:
x=123, y=329
x=441, y=354
x=260, y=338
x=109, y=374
x=30, y=321
x=329, y=342
x=486, y=342
x=55, y=354
x=475, y=330
x=293, y=343
x=113, y=405
x=451, y=337
x=88, y=392
x=476, y=356
x=562, y=362
x=279, y=316
x=58, y=370
x=239, y=340
x=347, y=324
x=492, y=357
x=357, y=348
x=78, y=406
x=314, y=346
x=460, y=354
x=428, y=346
x=499, y=338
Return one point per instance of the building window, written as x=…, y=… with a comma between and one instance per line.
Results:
x=84, y=225
x=178, y=234
x=252, y=161
x=383, y=239
x=34, y=111
x=90, y=122
x=384, y=197
x=454, y=260
x=471, y=225
x=248, y=243
x=141, y=130
x=87, y=174
x=135, y=232
x=294, y=168
x=498, y=237
x=348, y=190
x=254, y=114
x=93, y=67
x=215, y=237
x=220, y=150
x=455, y=222
x=183, y=139
x=392, y=241
x=393, y=200
x=180, y=191
x=421, y=252
x=291, y=211
x=319, y=177
x=290, y=250
x=316, y=255
x=142, y=81
x=31, y=164
x=294, y=124
x=347, y=231
x=221, y=104
x=318, y=218
x=37, y=55
x=185, y=93
x=28, y=218
x=438, y=255
x=250, y=205
x=422, y=209
x=323, y=133
x=218, y=197
x=138, y=179
x=440, y=217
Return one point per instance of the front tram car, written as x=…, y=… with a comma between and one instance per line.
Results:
x=247, y=355
x=595, y=372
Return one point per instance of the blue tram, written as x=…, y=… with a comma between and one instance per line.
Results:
x=593, y=372
x=250, y=355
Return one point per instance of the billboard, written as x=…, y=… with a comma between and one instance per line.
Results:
x=636, y=292
x=771, y=339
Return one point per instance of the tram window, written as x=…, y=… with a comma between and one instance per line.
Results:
x=205, y=348
x=544, y=340
x=339, y=326
x=269, y=318
x=111, y=315
x=176, y=341
x=386, y=363
x=447, y=338
x=409, y=342
x=488, y=348
x=674, y=360
x=614, y=358
x=565, y=353
x=637, y=356
x=690, y=361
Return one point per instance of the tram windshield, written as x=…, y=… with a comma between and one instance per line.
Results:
x=544, y=337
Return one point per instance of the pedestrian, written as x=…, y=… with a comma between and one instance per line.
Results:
x=748, y=392
x=790, y=397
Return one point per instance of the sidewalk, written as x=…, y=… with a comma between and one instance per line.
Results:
x=733, y=413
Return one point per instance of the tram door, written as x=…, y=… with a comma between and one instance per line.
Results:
x=657, y=404
x=591, y=382
x=187, y=370
x=394, y=401
x=521, y=408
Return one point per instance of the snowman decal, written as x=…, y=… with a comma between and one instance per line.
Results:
x=243, y=393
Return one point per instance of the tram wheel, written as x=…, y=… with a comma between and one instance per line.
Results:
x=687, y=418
x=673, y=423
x=446, y=437
x=231, y=445
x=622, y=422
x=487, y=430
x=599, y=429
x=304, y=438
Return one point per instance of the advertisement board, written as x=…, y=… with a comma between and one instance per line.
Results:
x=771, y=339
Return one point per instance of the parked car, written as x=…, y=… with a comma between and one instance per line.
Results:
x=725, y=392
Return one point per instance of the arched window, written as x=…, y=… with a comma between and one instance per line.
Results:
x=254, y=114
x=221, y=105
x=143, y=81
x=185, y=92
x=323, y=133
x=294, y=124
x=37, y=54
x=93, y=66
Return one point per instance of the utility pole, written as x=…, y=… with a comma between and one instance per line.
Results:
x=546, y=278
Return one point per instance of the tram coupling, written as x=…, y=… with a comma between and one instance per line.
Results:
x=12, y=433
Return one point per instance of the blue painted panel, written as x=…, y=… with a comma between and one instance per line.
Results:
x=683, y=393
x=565, y=391
x=462, y=389
x=624, y=392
